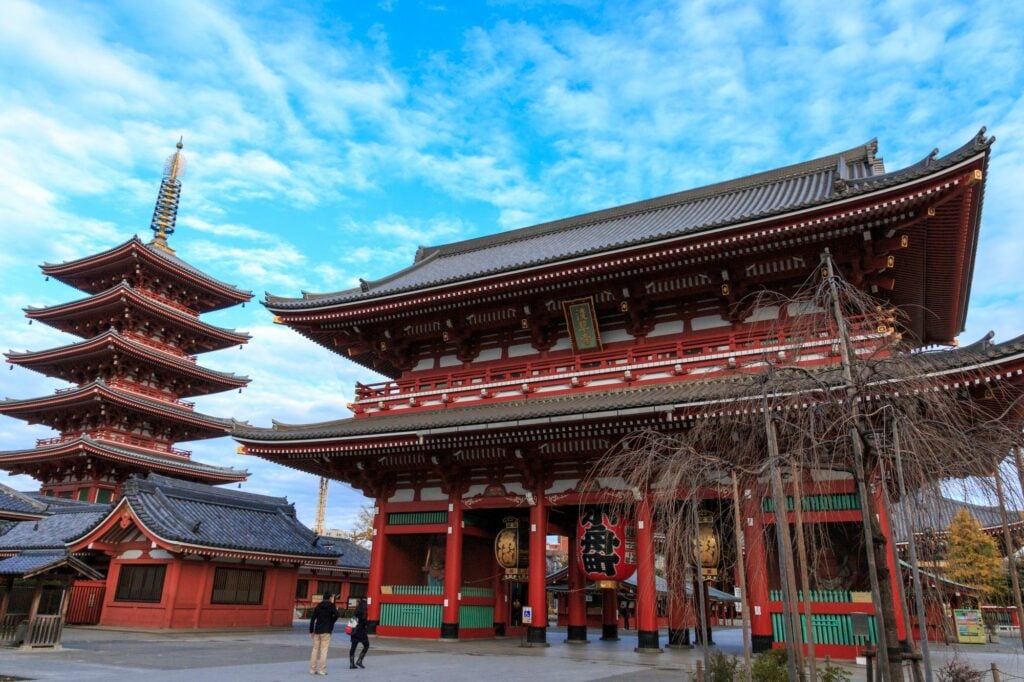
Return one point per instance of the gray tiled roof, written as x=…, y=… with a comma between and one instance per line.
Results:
x=144, y=351
x=18, y=503
x=198, y=514
x=104, y=388
x=171, y=259
x=809, y=184
x=145, y=458
x=352, y=554
x=742, y=384
x=32, y=562
x=933, y=512
x=45, y=313
x=53, y=531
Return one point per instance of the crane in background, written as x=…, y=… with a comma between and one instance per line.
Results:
x=321, y=507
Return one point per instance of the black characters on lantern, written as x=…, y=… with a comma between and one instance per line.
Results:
x=598, y=543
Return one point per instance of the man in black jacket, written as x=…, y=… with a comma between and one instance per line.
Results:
x=321, y=625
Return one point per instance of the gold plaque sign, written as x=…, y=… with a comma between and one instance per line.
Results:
x=581, y=318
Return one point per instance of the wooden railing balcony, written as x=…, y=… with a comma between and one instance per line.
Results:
x=150, y=392
x=112, y=436
x=680, y=357
x=146, y=341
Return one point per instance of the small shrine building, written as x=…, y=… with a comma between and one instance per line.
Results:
x=512, y=362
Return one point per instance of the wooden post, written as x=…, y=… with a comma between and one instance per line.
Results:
x=500, y=600
x=377, y=557
x=904, y=607
x=698, y=585
x=536, y=632
x=33, y=612
x=646, y=591
x=805, y=581
x=784, y=546
x=609, y=614
x=1010, y=558
x=995, y=673
x=742, y=573
x=453, y=568
x=881, y=589
x=908, y=523
x=577, y=597
x=757, y=569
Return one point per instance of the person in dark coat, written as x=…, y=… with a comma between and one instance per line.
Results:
x=359, y=637
x=321, y=625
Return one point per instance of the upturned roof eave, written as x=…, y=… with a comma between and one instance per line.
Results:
x=55, y=312
x=376, y=427
x=174, y=264
x=352, y=298
x=228, y=379
x=101, y=388
x=145, y=459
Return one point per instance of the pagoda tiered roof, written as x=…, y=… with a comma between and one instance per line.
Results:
x=66, y=362
x=124, y=455
x=53, y=410
x=88, y=317
x=98, y=272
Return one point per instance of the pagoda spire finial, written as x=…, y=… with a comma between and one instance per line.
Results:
x=166, y=212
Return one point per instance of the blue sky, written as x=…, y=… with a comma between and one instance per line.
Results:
x=327, y=140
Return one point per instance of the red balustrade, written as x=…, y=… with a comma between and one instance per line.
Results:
x=119, y=437
x=150, y=392
x=692, y=352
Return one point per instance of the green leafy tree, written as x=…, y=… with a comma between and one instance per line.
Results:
x=973, y=558
x=361, y=531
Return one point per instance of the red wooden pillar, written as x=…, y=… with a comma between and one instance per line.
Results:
x=536, y=633
x=377, y=556
x=646, y=590
x=452, y=569
x=894, y=571
x=678, y=628
x=609, y=614
x=577, y=596
x=500, y=600
x=757, y=571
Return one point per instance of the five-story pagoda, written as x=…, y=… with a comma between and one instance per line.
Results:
x=140, y=332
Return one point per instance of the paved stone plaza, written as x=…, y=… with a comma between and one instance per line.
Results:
x=261, y=656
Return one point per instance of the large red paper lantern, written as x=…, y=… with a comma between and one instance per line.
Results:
x=606, y=546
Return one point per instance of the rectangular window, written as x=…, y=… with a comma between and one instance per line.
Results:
x=140, y=583
x=103, y=495
x=65, y=495
x=302, y=589
x=357, y=590
x=325, y=586
x=83, y=495
x=237, y=586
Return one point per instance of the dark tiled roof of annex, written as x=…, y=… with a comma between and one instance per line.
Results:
x=353, y=555
x=64, y=523
x=662, y=396
x=17, y=504
x=804, y=185
x=208, y=516
x=936, y=512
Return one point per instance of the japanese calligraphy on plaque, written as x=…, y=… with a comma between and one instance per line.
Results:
x=581, y=319
x=606, y=547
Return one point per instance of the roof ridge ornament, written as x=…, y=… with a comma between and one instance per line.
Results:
x=166, y=211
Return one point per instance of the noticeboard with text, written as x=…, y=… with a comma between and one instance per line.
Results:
x=970, y=626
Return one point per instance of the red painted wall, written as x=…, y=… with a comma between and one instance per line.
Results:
x=185, y=602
